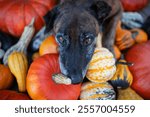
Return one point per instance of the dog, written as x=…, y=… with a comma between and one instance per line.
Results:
x=77, y=24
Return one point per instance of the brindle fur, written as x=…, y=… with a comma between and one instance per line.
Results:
x=74, y=18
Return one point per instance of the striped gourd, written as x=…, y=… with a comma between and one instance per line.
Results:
x=18, y=65
x=123, y=77
x=97, y=91
x=102, y=66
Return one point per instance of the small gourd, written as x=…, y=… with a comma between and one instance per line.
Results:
x=97, y=91
x=128, y=94
x=124, y=38
x=123, y=77
x=18, y=65
x=102, y=66
x=139, y=35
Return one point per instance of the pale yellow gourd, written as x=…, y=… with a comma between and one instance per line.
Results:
x=102, y=66
x=18, y=65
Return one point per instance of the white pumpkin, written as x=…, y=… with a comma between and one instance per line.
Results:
x=102, y=66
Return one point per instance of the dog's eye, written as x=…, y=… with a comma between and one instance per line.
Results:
x=61, y=40
x=87, y=38
x=87, y=41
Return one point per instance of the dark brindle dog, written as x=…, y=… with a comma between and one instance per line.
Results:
x=76, y=25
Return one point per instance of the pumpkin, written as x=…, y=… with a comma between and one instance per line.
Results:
x=6, y=78
x=134, y=5
x=49, y=45
x=139, y=35
x=40, y=85
x=140, y=56
x=97, y=91
x=13, y=95
x=123, y=77
x=117, y=52
x=102, y=66
x=15, y=15
x=123, y=38
x=18, y=65
x=128, y=94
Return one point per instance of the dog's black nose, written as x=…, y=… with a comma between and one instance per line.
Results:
x=76, y=79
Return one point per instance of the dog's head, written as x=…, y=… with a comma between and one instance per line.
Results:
x=76, y=28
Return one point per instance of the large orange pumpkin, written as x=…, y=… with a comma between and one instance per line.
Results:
x=6, y=78
x=140, y=56
x=13, y=95
x=40, y=84
x=16, y=14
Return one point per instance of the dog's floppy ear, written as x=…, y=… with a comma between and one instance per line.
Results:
x=50, y=18
x=101, y=9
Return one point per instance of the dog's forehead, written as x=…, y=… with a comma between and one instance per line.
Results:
x=76, y=20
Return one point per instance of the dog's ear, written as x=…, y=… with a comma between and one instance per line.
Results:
x=101, y=9
x=49, y=19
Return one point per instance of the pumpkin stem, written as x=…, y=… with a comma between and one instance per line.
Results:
x=125, y=63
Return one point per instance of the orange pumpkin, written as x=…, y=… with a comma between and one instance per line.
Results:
x=40, y=84
x=6, y=78
x=139, y=35
x=123, y=38
x=16, y=14
x=13, y=95
x=49, y=45
x=140, y=56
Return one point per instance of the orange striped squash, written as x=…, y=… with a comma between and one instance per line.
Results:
x=97, y=91
x=102, y=66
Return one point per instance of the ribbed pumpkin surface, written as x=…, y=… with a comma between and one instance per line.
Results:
x=102, y=66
